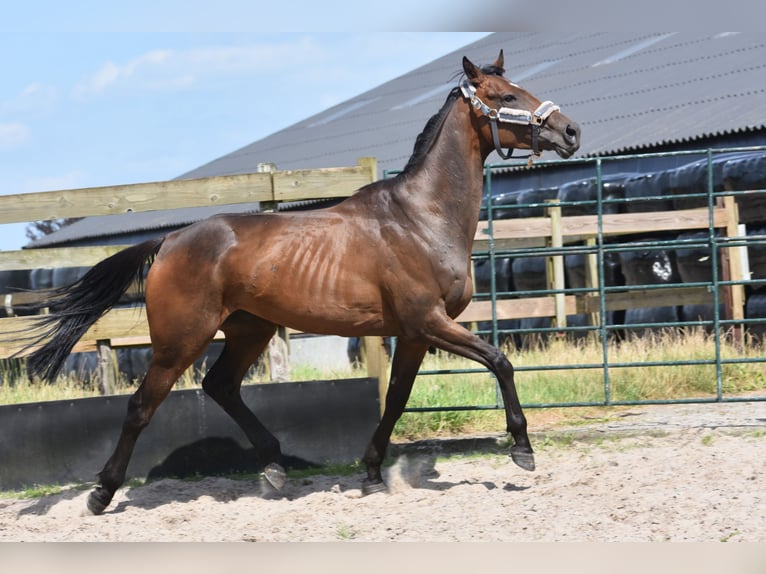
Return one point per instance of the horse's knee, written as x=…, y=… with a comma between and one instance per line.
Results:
x=500, y=362
x=137, y=416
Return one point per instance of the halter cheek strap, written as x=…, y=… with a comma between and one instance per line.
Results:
x=534, y=119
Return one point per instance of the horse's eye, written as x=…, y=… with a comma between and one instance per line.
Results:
x=508, y=98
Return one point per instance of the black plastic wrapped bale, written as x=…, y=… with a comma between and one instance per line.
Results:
x=503, y=283
x=209, y=356
x=586, y=190
x=649, y=315
x=755, y=308
x=701, y=312
x=534, y=340
x=483, y=275
x=756, y=255
x=133, y=362
x=695, y=265
x=692, y=178
x=529, y=274
x=502, y=206
x=695, y=262
x=527, y=197
x=506, y=332
x=81, y=366
x=65, y=276
x=40, y=279
x=642, y=186
x=11, y=282
x=579, y=320
x=748, y=173
x=574, y=268
x=649, y=267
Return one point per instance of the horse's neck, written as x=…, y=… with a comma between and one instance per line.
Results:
x=449, y=181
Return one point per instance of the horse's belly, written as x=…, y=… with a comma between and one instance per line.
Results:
x=312, y=315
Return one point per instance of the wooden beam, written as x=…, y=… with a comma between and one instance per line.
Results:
x=635, y=299
x=516, y=309
x=319, y=183
x=581, y=226
x=54, y=258
x=115, y=199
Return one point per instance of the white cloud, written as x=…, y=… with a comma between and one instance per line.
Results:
x=13, y=135
x=34, y=98
x=162, y=70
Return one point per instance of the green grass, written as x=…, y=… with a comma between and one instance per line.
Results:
x=42, y=490
x=579, y=385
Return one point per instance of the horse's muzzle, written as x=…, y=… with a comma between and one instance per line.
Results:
x=569, y=141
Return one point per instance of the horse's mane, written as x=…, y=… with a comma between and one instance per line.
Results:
x=426, y=138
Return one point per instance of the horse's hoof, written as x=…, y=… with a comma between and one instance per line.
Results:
x=525, y=460
x=370, y=487
x=276, y=475
x=97, y=502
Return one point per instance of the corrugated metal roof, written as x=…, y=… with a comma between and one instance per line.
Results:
x=629, y=92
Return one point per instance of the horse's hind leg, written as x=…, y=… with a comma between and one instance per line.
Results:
x=246, y=338
x=159, y=379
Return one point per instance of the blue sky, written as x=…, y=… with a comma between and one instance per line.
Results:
x=88, y=103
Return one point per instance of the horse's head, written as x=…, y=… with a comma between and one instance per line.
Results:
x=510, y=117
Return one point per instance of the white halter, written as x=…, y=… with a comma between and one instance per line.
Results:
x=511, y=116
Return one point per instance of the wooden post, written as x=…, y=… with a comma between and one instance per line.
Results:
x=278, y=353
x=555, y=265
x=373, y=351
x=107, y=375
x=591, y=279
x=370, y=163
x=732, y=271
x=377, y=362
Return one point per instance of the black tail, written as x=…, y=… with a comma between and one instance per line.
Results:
x=82, y=303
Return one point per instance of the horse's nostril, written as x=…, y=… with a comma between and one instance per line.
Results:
x=572, y=133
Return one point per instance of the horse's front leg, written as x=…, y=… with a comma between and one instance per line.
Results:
x=404, y=368
x=449, y=336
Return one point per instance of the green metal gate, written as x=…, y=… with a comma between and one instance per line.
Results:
x=615, y=227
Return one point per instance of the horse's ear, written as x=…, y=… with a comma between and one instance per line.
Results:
x=471, y=71
x=500, y=62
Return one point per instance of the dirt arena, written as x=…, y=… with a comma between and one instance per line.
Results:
x=660, y=473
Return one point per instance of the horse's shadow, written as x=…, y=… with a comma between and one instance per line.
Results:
x=208, y=458
x=416, y=468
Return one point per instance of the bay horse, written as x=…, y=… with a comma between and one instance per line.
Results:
x=394, y=259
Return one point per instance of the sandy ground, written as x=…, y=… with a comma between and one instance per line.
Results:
x=675, y=473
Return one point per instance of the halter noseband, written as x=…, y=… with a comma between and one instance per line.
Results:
x=535, y=119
